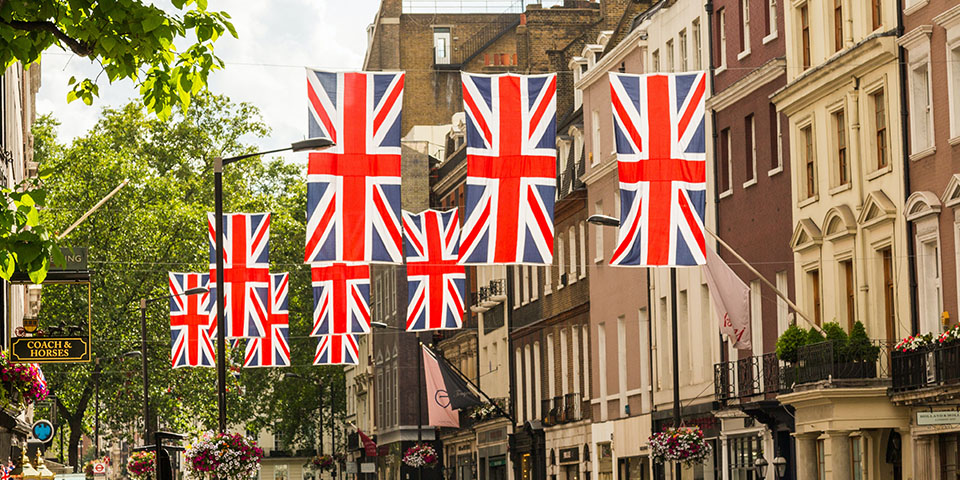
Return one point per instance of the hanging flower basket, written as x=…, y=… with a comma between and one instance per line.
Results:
x=322, y=463
x=23, y=383
x=142, y=465
x=684, y=444
x=228, y=456
x=914, y=343
x=420, y=455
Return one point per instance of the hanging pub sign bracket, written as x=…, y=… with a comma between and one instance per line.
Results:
x=63, y=343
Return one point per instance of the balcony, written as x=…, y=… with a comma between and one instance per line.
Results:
x=935, y=366
x=489, y=296
x=563, y=409
x=753, y=378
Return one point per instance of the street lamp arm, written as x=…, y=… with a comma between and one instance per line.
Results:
x=299, y=146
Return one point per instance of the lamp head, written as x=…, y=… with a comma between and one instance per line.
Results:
x=316, y=143
x=603, y=220
x=760, y=466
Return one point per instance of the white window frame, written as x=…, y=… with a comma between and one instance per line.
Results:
x=722, y=21
x=655, y=61
x=950, y=21
x=564, y=380
x=919, y=91
x=783, y=311
x=595, y=150
x=441, y=34
x=561, y=268
x=927, y=286
x=682, y=48
x=745, y=28
x=551, y=368
x=534, y=282
x=756, y=318
x=772, y=18
x=602, y=364
x=779, y=152
x=598, y=233
x=572, y=250
x=697, y=44
x=669, y=52
x=582, y=230
x=753, y=146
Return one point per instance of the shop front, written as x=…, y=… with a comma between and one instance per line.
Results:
x=565, y=447
x=631, y=441
x=492, y=450
x=528, y=452
x=699, y=415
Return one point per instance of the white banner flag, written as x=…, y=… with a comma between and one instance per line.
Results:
x=731, y=297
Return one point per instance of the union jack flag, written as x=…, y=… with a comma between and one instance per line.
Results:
x=353, y=188
x=661, y=158
x=272, y=349
x=435, y=282
x=341, y=298
x=246, y=262
x=190, y=344
x=511, y=168
x=5, y=470
x=337, y=350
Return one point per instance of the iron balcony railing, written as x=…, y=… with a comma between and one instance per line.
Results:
x=765, y=374
x=562, y=409
x=937, y=365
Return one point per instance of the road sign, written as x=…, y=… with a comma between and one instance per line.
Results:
x=42, y=430
x=99, y=468
x=50, y=349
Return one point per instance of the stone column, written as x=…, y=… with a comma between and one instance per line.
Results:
x=838, y=446
x=949, y=441
x=806, y=455
x=925, y=457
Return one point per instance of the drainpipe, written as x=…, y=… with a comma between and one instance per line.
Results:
x=905, y=147
x=713, y=138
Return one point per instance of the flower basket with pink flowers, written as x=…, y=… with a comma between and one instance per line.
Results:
x=684, y=444
x=322, y=462
x=229, y=456
x=23, y=383
x=421, y=455
x=142, y=465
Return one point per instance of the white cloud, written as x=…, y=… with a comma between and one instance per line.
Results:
x=265, y=66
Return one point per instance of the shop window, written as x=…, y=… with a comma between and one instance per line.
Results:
x=743, y=452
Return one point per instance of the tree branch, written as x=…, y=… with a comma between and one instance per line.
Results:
x=84, y=49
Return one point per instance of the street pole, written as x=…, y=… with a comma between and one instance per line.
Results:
x=420, y=388
x=96, y=406
x=221, y=323
x=146, y=380
x=320, y=399
x=676, y=358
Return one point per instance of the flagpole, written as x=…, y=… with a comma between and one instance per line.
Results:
x=420, y=387
x=676, y=359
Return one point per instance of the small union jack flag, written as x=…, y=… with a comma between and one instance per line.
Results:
x=5, y=470
x=190, y=344
x=353, y=188
x=337, y=350
x=246, y=262
x=661, y=159
x=435, y=282
x=341, y=298
x=511, y=168
x=272, y=349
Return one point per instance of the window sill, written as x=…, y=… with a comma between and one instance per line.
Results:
x=720, y=69
x=923, y=153
x=916, y=6
x=840, y=188
x=750, y=183
x=743, y=54
x=726, y=193
x=775, y=171
x=598, y=260
x=879, y=173
x=808, y=201
x=769, y=38
x=955, y=140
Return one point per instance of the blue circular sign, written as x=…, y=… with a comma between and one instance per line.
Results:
x=42, y=430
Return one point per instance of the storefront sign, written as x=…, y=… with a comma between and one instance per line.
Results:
x=938, y=418
x=50, y=349
x=570, y=455
x=368, y=467
x=42, y=430
x=351, y=467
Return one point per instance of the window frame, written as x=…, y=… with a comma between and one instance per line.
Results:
x=697, y=44
x=881, y=138
x=750, y=135
x=744, y=29
x=808, y=154
x=722, y=39
x=725, y=169
x=806, y=48
x=771, y=22
x=837, y=25
x=840, y=142
x=682, y=48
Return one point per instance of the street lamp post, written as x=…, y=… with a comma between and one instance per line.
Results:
x=218, y=163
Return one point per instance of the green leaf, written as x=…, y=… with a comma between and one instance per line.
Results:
x=152, y=22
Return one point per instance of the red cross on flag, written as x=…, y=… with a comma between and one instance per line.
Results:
x=190, y=344
x=246, y=257
x=341, y=299
x=435, y=282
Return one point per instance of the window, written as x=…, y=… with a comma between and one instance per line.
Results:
x=602, y=358
x=821, y=460
x=921, y=114
x=837, y=25
x=849, y=293
x=756, y=318
x=783, y=311
x=572, y=277
x=744, y=26
x=880, y=122
x=722, y=34
x=280, y=472
x=517, y=286
x=595, y=140
x=564, y=382
x=805, y=35
x=582, y=230
x=695, y=31
x=682, y=45
x=622, y=362
x=598, y=232
x=669, y=53
x=575, y=348
x=953, y=57
x=856, y=458
x=585, y=338
x=551, y=368
x=840, y=140
x=809, y=161
x=771, y=19
x=562, y=268
x=518, y=374
x=814, y=285
x=655, y=61
x=725, y=180
x=750, y=157
x=525, y=283
x=441, y=45
x=534, y=282
x=548, y=280
x=876, y=11
x=528, y=380
x=776, y=141
x=928, y=268
x=743, y=452
x=889, y=303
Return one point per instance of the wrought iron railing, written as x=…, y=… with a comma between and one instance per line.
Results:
x=820, y=362
x=932, y=366
x=562, y=409
x=486, y=36
x=747, y=377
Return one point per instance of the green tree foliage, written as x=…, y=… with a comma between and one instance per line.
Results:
x=790, y=340
x=157, y=224
x=130, y=39
x=814, y=336
x=859, y=347
x=838, y=337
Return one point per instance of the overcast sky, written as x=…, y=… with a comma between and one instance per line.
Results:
x=264, y=67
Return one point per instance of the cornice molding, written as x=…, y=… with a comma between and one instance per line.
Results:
x=763, y=75
x=600, y=171
x=627, y=45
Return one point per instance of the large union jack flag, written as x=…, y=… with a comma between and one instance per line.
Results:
x=190, y=344
x=246, y=262
x=272, y=349
x=341, y=298
x=511, y=168
x=353, y=188
x=659, y=126
x=337, y=350
x=435, y=282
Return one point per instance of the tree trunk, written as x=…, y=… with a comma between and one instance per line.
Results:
x=75, y=421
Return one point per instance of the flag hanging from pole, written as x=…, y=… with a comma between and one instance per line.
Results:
x=731, y=298
x=272, y=349
x=439, y=411
x=511, y=168
x=658, y=122
x=246, y=262
x=353, y=188
x=369, y=446
x=435, y=282
x=341, y=299
x=190, y=344
x=337, y=350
